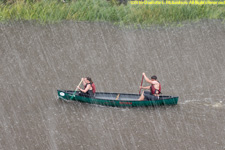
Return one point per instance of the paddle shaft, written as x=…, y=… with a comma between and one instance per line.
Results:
x=79, y=84
x=117, y=96
x=141, y=84
x=74, y=94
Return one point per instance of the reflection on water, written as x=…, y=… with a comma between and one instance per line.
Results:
x=37, y=60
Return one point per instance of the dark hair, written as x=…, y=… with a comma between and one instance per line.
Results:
x=89, y=79
x=154, y=77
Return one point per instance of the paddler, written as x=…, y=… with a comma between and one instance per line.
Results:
x=155, y=89
x=89, y=87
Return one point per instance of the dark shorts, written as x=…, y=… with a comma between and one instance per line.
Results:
x=85, y=94
x=148, y=96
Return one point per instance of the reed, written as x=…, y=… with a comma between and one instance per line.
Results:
x=53, y=11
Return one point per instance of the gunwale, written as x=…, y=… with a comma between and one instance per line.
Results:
x=110, y=99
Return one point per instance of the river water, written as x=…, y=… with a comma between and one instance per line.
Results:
x=36, y=60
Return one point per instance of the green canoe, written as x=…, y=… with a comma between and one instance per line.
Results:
x=116, y=99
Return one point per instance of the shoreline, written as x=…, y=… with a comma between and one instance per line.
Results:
x=103, y=11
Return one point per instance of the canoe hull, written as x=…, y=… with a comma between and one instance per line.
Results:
x=116, y=99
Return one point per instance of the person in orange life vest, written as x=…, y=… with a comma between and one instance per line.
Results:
x=155, y=89
x=89, y=88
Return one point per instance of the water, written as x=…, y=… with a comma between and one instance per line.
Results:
x=36, y=60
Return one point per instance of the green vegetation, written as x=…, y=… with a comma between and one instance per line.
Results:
x=51, y=11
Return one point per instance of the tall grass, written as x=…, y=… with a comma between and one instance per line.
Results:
x=45, y=11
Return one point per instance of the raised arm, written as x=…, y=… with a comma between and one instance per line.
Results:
x=147, y=79
x=84, y=83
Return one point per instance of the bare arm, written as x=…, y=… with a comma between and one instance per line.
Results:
x=86, y=89
x=84, y=83
x=147, y=79
x=147, y=87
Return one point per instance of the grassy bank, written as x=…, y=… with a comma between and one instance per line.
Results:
x=102, y=10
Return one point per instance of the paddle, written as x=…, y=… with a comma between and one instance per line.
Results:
x=141, y=84
x=117, y=96
x=74, y=94
x=79, y=85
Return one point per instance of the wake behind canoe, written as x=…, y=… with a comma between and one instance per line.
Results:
x=116, y=99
